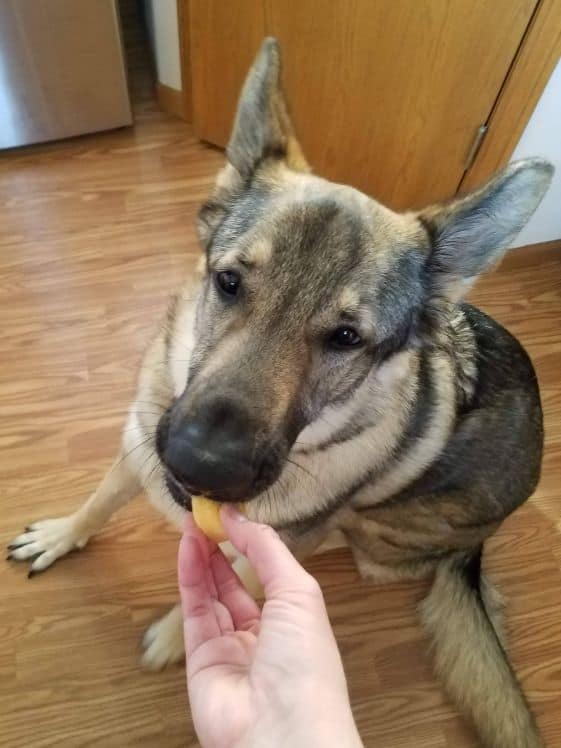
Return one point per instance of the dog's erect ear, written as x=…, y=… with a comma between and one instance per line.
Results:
x=470, y=234
x=262, y=127
x=262, y=130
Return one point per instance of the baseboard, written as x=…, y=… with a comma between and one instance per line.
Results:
x=533, y=253
x=171, y=100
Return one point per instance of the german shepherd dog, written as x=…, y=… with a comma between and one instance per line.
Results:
x=327, y=372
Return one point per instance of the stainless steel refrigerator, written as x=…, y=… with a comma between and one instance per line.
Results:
x=62, y=70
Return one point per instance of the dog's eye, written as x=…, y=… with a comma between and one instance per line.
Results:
x=345, y=337
x=228, y=282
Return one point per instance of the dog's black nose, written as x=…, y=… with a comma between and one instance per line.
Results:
x=212, y=451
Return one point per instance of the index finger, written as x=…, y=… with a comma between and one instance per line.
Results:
x=277, y=569
x=200, y=622
x=231, y=593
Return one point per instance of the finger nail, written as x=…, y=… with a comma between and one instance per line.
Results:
x=234, y=513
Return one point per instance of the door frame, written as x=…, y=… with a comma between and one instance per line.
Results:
x=533, y=64
x=184, y=30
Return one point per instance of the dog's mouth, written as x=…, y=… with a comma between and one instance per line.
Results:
x=178, y=491
x=182, y=492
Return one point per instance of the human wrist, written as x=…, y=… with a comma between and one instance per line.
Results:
x=339, y=731
x=322, y=728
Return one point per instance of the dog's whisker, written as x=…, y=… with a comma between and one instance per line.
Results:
x=153, y=404
x=308, y=445
x=304, y=469
x=135, y=428
x=142, y=443
x=153, y=469
x=327, y=421
x=145, y=462
x=148, y=412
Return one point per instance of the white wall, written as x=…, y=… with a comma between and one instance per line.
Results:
x=542, y=137
x=161, y=17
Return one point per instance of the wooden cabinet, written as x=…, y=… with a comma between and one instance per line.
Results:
x=386, y=95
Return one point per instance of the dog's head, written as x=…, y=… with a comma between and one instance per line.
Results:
x=310, y=288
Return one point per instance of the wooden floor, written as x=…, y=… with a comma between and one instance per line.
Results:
x=94, y=234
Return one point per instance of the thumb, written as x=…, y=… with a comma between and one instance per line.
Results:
x=278, y=571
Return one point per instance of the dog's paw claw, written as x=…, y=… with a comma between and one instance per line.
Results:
x=44, y=542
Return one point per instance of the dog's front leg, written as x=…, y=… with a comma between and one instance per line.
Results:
x=45, y=541
x=163, y=641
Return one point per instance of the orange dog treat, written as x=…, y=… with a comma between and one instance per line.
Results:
x=206, y=514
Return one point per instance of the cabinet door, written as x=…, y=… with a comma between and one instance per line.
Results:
x=386, y=95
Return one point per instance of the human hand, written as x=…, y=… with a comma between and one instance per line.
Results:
x=263, y=678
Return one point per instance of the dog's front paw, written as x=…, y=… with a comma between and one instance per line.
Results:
x=43, y=542
x=163, y=641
